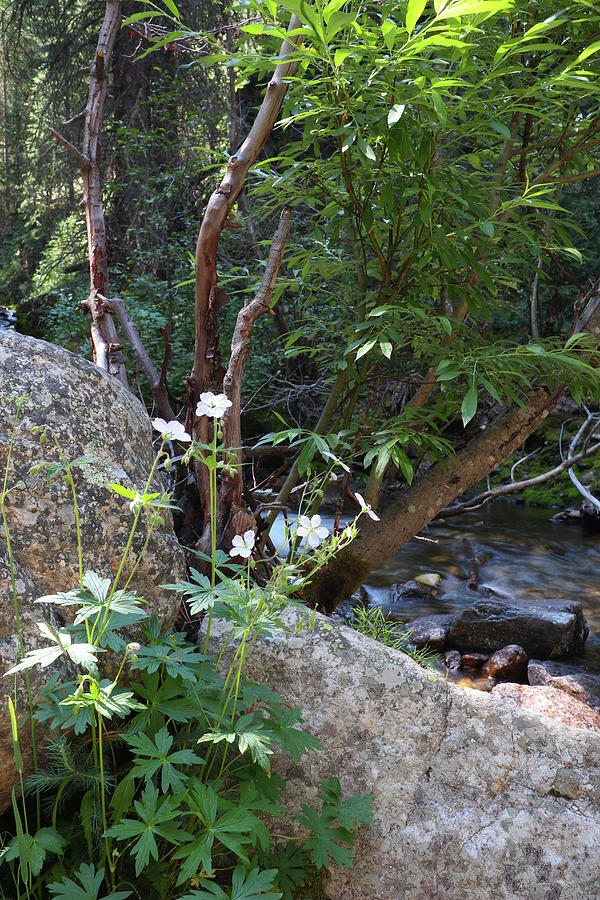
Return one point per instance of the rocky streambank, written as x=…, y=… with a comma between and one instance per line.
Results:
x=516, y=650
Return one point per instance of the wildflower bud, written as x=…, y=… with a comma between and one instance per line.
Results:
x=167, y=463
x=20, y=486
x=133, y=647
x=42, y=437
x=136, y=504
x=35, y=429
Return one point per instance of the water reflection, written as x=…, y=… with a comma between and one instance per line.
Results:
x=519, y=552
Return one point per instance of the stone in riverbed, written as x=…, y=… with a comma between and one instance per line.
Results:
x=430, y=631
x=583, y=685
x=544, y=629
x=452, y=659
x=508, y=664
x=473, y=660
x=551, y=702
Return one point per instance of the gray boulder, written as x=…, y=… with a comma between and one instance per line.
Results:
x=92, y=416
x=473, y=796
x=545, y=628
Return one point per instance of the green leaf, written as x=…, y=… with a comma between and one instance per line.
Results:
x=469, y=405
x=153, y=756
x=440, y=109
x=366, y=149
x=253, y=885
x=340, y=55
x=395, y=113
x=501, y=128
x=155, y=820
x=589, y=51
x=414, y=11
x=90, y=882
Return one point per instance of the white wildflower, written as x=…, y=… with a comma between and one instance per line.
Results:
x=336, y=460
x=173, y=431
x=312, y=530
x=243, y=544
x=214, y=405
x=366, y=507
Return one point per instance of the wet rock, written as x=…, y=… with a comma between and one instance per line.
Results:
x=551, y=702
x=430, y=630
x=508, y=664
x=546, y=628
x=452, y=659
x=473, y=660
x=92, y=416
x=430, y=579
x=473, y=796
x=409, y=590
x=581, y=684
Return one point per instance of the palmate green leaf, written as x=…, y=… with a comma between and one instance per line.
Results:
x=155, y=820
x=327, y=838
x=180, y=658
x=81, y=654
x=196, y=856
x=245, y=886
x=291, y=863
x=357, y=808
x=235, y=829
x=90, y=882
x=104, y=698
x=281, y=723
x=36, y=846
x=158, y=758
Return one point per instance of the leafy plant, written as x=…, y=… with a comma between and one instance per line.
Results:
x=166, y=764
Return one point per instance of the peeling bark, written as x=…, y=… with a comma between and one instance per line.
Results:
x=105, y=341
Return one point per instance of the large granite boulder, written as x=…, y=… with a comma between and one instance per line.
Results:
x=473, y=796
x=92, y=416
x=543, y=628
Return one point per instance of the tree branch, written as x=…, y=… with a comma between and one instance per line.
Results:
x=514, y=487
x=156, y=381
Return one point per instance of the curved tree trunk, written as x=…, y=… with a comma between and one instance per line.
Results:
x=206, y=372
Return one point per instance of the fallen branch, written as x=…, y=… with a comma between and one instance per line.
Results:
x=515, y=486
x=589, y=425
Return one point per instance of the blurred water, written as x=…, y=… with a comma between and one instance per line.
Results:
x=521, y=553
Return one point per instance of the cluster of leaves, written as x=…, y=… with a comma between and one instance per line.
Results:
x=418, y=146
x=179, y=815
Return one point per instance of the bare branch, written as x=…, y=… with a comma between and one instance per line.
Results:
x=589, y=425
x=504, y=489
x=241, y=345
x=79, y=156
x=156, y=381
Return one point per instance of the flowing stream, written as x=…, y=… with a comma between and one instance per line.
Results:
x=520, y=553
